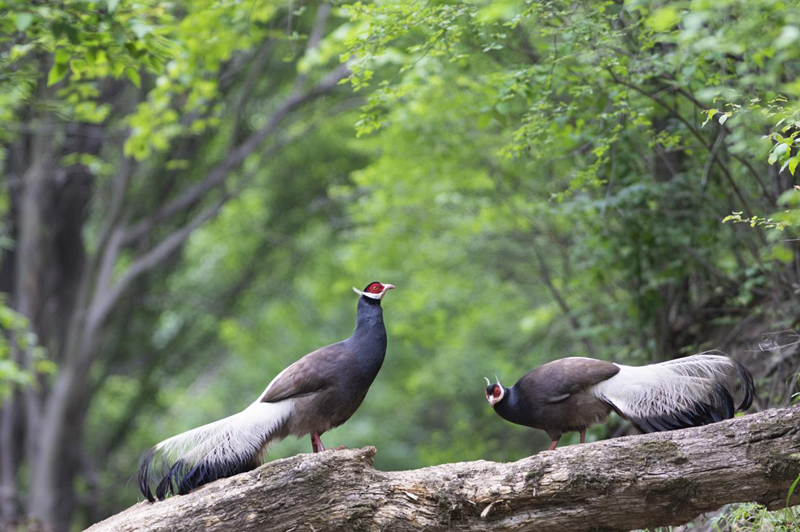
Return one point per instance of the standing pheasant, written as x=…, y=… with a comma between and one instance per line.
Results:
x=315, y=394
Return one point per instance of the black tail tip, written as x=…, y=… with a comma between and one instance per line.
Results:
x=747, y=386
x=173, y=476
x=183, y=477
x=144, y=474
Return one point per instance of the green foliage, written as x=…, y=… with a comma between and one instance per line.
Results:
x=18, y=343
x=82, y=43
x=755, y=220
x=756, y=518
x=185, y=98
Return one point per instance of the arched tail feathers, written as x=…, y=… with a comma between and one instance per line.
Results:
x=221, y=449
x=686, y=392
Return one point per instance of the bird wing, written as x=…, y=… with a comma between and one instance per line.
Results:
x=557, y=380
x=311, y=374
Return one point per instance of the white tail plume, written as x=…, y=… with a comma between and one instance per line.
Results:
x=679, y=393
x=223, y=448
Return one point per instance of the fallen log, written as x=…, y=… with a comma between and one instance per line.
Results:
x=652, y=480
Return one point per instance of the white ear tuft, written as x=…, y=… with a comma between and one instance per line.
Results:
x=367, y=294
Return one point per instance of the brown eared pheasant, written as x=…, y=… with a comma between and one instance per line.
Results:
x=571, y=394
x=315, y=394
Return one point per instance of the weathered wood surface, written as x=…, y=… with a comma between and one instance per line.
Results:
x=635, y=482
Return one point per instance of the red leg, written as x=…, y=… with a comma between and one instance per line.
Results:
x=316, y=443
x=553, y=444
x=583, y=436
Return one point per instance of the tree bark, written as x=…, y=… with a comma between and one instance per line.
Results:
x=643, y=481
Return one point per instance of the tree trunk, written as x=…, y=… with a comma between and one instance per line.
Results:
x=651, y=480
x=8, y=462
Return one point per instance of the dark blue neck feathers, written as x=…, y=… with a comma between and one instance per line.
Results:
x=369, y=316
x=370, y=334
x=508, y=408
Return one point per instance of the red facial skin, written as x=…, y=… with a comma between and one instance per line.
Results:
x=495, y=392
x=375, y=288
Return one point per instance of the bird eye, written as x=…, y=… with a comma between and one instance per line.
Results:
x=496, y=392
x=375, y=287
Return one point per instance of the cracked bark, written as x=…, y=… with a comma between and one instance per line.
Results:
x=651, y=480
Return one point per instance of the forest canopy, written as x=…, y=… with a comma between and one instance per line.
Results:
x=189, y=190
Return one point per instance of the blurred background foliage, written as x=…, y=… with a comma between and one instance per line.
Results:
x=190, y=188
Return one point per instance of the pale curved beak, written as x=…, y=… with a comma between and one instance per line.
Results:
x=388, y=287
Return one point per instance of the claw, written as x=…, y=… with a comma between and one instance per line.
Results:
x=316, y=443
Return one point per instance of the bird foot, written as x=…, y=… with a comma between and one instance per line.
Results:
x=316, y=444
x=337, y=448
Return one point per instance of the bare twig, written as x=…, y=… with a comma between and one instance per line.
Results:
x=710, y=160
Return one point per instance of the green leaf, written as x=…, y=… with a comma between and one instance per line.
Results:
x=133, y=75
x=72, y=34
x=112, y=5
x=78, y=65
x=58, y=28
x=711, y=113
x=777, y=151
x=793, y=163
x=23, y=20
x=133, y=50
x=118, y=68
x=664, y=19
x=57, y=73
x=791, y=490
x=62, y=56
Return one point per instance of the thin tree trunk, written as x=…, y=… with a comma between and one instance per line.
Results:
x=30, y=257
x=8, y=462
x=48, y=503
